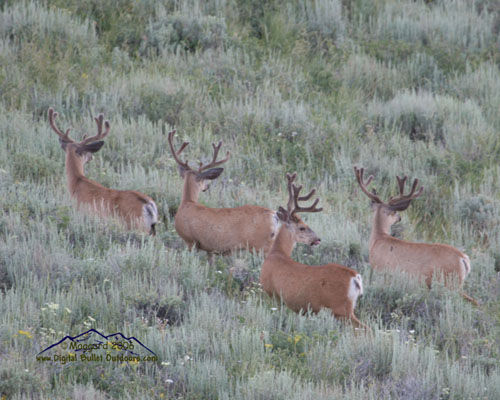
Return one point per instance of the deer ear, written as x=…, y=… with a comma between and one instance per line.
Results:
x=401, y=206
x=210, y=174
x=90, y=148
x=182, y=171
x=63, y=144
x=283, y=214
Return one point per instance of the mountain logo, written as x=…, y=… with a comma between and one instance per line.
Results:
x=93, y=340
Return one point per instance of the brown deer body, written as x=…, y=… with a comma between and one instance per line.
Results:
x=422, y=260
x=301, y=286
x=219, y=230
x=134, y=208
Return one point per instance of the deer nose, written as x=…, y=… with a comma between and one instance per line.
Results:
x=315, y=242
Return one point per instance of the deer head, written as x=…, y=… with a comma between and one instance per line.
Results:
x=206, y=172
x=389, y=210
x=299, y=230
x=84, y=149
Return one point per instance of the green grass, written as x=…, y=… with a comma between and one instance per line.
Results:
x=400, y=87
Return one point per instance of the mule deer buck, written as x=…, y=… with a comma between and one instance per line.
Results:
x=136, y=209
x=218, y=230
x=418, y=259
x=302, y=286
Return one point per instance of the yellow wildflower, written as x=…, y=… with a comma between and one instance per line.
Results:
x=25, y=333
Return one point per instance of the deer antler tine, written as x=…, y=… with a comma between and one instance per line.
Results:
x=401, y=183
x=296, y=189
x=368, y=181
x=363, y=184
x=107, y=127
x=214, y=161
x=294, y=198
x=359, y=175
x=217, y=148
x=307, y=196
x=64, y=136
x=175, y=154
x=314, y=205
x=401, y=202
x=100, y=134
x=182, y=147
x=311, y=208
x=414, y=186
x=290, y=178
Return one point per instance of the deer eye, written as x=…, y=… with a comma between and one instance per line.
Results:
x=302, y=228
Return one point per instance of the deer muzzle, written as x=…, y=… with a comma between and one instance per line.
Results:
x=315, y=242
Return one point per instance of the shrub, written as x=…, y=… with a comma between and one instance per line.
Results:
x=49, y=49
x=252, y=13
x=454, y=22
x=413, y=113
x=15, y=379
x=371, y=77
x=482, y=84
x=478, y=211
x=321, y=16
x=188, y=33
x=162, y=101
x=441, y=119
x=27, y=166
x=32, y=22
x=168, y=309
x=118, y=23
x=159, y=105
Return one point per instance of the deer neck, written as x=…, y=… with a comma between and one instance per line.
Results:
x=284, y=242
x=191, y=189
x=74, y=169
x=380, y=228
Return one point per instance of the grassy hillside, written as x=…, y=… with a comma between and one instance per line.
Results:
x=399, y=87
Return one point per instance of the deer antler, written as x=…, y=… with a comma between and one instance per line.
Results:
x=402, y=202
x=290, y=178
x=359, y=176
x=214, y=163
x=178, y=152
x=398, y=203
x=100, y=134
x=63, y=136
x=293, y=197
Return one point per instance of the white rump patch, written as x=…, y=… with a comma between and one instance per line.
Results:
x=355, y=289
x=466, y=264
x=150, y=213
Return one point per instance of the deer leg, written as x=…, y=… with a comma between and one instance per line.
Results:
x=210, y=257
x=469, y=299
x=358, y=324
